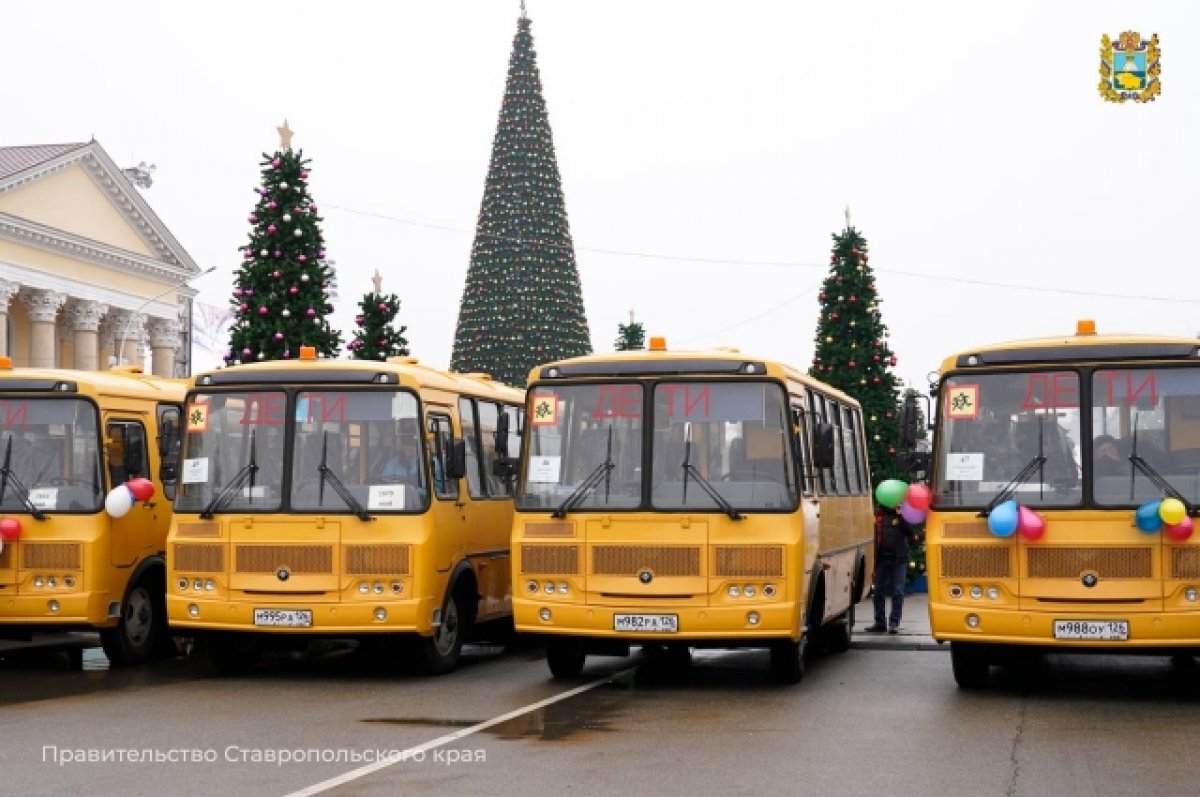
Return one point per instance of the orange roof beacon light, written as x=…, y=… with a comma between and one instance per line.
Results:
x=308, y=352
x=658, y=343
x=5, y=363
x=1085, y=326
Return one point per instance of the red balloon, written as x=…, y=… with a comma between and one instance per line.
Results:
x=1177, y=531
x=919, y=496
x=10, y=529
x=142, y=489
x=1030, y=524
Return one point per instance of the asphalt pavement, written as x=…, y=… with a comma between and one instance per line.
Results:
x=914, y=626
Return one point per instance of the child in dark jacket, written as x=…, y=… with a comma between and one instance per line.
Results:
x=891, y=568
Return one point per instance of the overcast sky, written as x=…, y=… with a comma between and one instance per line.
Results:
x=707, y=150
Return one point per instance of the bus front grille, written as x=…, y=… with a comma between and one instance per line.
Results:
x=975, y=561
x=1107, y=563
x=208, y=558
x=56, y=555
x=556, y=528
x=1185, y=563
x=383, y=560
x=662, y=560
x=296, y=558
x=8, y=557
x=970, y=529
x=549, y=560
x=748, y=561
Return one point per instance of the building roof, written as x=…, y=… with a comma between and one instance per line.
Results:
x=18, y=159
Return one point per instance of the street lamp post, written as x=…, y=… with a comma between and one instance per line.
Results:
x=129, y=324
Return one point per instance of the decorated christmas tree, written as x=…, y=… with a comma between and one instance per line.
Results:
x=852, y=350
x=280, y=296
x=630, y=336
x=376, y=337
x=522, y=304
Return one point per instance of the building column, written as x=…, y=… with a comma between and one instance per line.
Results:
x=8, y=289
x=83, y=319
x=42, y=306
x=165, y=341
x=124, y=330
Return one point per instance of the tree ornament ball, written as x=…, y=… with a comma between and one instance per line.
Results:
x=293, y=290
x=304, y=278
x=262, y=310
x=264, y=253
x=276, y=163
x=246, y=352
x=310, y=312
x=312, y=208
x=287, y=353
x=278, y=253
x=303, y=258
x=276, y=273
x=286, y=313
x=358, y=320
x=278, y=336
x=260, y=355
x=853, y=323
x=243, y=307
x=271, y=228
x=284, y=186
x=829, y=339
x=297, y=233
x=273, y=205
x=383, y=307
x=852, y=364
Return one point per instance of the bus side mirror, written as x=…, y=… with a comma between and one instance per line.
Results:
x=501, y=437
x=456, y=466
x=823, y=446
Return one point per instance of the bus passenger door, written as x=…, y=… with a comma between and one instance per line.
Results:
x=141, y=530
x=447, y=510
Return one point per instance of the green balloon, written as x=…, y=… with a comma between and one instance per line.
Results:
x=890, y=493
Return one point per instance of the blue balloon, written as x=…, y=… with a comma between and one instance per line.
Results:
x=1147, y=517
x=1003, y=519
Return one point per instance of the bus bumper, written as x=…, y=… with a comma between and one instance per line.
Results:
x=950, y=623
x=51, y=608
x=347, y=619
x=732, y=625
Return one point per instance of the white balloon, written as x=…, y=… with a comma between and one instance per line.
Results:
x=1, y=545
x=119, y=501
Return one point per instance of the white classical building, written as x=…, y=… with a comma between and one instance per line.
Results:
x=86, y=266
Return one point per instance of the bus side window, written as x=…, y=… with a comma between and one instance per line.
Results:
x=470, y=436
x=127, y=456
x=804, y=465
x=441, y=442
x=169, y=441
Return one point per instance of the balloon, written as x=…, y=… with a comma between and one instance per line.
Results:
x=1177, y=531
x=1003, y=519
x=119, y=501
x=918, y=496
x=142, y=489
x=890, y=493
x=1148, y=518
x=10, y=529
x=1031, y=525
x=912, y=515
x=1172, y=511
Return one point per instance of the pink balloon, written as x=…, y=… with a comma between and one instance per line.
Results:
x=1031, y=525
x=918, y=496
x=1180, y=531
x=911, y=514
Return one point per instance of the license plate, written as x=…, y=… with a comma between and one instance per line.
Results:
x=646, y=623
x=1091, y=629
x=285, y=618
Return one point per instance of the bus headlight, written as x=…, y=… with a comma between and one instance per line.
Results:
x=972, y=621
x=956, y=590
x=363, y=588
x=193, y=610
x=397, y=587
x=549, y=587
x=531, y=587
x=39, y=582
x=197, y=585
x=769, y=591
x=752, y=618
x=562, y=588
x=993, y=593
x=378, y=587
x=976, y=591
x=734, y=590
x=210, y=585
x=749, y=591
x=182, y=584
x=52, y=606
x=544, y=614
x=380, y=613
x=69, y=582
x=1191, y=594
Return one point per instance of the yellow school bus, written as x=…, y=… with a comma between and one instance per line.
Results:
x=1052, y=459
x=341, y=498
x=681, y=499
x=71, y=559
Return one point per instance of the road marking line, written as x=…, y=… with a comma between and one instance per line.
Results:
x=405, y=755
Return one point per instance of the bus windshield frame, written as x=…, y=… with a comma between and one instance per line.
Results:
x=52, y=448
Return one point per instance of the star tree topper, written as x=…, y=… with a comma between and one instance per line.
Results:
x=285, y=136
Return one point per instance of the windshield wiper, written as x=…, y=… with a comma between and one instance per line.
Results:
x=1156, y=478
x=1007, y=490
x=688, y=467
x=223, y=497
x=7, y=475
x=602, y=471
x=359, y=511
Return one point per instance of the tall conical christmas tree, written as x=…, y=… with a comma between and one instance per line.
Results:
x=852, y=348
x=280, y=297
x=522, y=304
x=376, y=337
x=631, y=336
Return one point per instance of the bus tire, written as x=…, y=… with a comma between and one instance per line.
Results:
x=565, y=657
x=787, y=660
x=838, y=633
x=439, y=653
x=233, y=653
x=970, y=664
x=141, y=632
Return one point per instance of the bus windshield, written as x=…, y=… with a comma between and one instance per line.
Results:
x=713, y=446
x=996, y=427
x=51, y=450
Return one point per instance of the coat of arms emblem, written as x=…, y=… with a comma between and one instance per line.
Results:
x=1130, y=68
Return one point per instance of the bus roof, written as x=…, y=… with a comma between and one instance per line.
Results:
x=1084, y=346
x=404, y=371
x=123, y=382
x=663, y=363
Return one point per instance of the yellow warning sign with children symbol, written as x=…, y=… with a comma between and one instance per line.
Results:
x=962, y=402
x=197, y=417
x=545, y=409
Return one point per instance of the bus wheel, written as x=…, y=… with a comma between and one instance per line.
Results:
x=565, y=657
x=787, y=660
x=140, y=632
x=839, y=632
x=233, y=653
x=970, y=664
x=439, y=653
